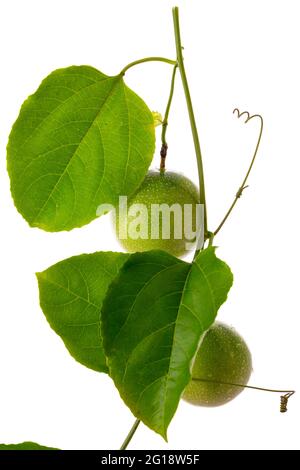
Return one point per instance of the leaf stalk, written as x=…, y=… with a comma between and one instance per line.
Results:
x=147, y=59
x=130, y=435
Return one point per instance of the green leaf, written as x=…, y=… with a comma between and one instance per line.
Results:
x=153, y=317
x=25, y=446
x=82, y=139
x=71, y=296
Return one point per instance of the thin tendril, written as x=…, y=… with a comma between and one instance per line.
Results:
x=243, y=386
x=283, y=399
x=243, y=185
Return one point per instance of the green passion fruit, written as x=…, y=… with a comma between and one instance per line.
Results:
x=163, y=214
x=223, y=358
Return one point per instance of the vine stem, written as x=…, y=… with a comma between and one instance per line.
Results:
x=179, y=63
x=130, y=435
x=164, y=145
x=243, y=185
x=191, y=115
x=147, y=59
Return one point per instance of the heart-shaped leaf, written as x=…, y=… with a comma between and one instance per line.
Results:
x=71, y=296
x=153, y=317
x=25, y=446
x=81, y=140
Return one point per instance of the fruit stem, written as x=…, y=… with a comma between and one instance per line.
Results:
x=147, y=59
x=243, y=185
x=191, y=116
x=130, y=435
x=164, y=145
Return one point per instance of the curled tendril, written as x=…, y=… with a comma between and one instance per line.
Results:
x=239, y=114
x=249, y=116
x=243, y=185
x=284, y=401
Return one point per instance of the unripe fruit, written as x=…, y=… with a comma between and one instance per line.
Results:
x=223, y=357
x=160, y=188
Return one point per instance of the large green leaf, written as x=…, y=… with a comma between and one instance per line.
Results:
x=25, y=446
x=152, y=320
x=71, y=296
x=82, y=139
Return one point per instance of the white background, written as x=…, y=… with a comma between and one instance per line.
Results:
x=237, y=53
